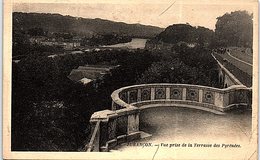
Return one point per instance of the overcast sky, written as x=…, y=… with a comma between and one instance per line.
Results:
x=156, y=14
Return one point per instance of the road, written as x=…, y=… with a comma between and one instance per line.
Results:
x=240, y=59
x=242, y=55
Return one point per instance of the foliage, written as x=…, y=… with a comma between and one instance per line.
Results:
x=106, y=39
x=186, y=33
x=37, y=31
x=22, y=47
x=235, y=29
x=189, y=66
x=79, y=26
x=53, y=110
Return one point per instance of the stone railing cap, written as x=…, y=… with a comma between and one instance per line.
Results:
x=104, y=114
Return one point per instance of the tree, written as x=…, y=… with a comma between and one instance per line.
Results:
x=205, y=36
x=36, y=31
x=235, y=29
x=177, y=33
x=20, y=43
x=191, y=66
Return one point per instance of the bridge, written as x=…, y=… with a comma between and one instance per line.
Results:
x=121, y=124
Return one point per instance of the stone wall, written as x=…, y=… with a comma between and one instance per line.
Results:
x=237, y=77
x=121, y=124
x=221, y=98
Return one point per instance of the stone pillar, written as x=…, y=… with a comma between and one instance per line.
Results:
x=225, y=99
x=111, y=133
x=219, y=99
x=138, y=95
x=168, y=93
x=200, y=95
x=94, y=144
x=103, y=133
x=133, y=132
x=96, y=141
x=184, y=94
x=112, y=128
x=113, y=106
x=128, y=97
x=152, y=93
x=224, y=79
x=107, y=124
x=133, y=122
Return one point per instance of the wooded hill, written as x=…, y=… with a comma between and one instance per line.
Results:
x=232, y=29
x=186, y=33
x=80, y=26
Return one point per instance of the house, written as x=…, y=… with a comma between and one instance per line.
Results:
x=70, y=45
x=91, y=74
x=76, y=39
x=77, y=52
x=85, y=80
x=37, y=39
x=190, y=45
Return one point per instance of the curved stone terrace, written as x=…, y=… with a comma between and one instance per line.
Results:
x=121, y=124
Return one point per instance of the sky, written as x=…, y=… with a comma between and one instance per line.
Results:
x=161, y=14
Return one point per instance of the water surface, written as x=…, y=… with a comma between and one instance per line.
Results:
x=134, y=44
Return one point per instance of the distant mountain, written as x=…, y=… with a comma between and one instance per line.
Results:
x=80, y=26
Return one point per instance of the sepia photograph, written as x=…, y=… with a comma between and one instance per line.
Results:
x=174, y=79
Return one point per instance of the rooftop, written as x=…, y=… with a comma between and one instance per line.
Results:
x=88, y=73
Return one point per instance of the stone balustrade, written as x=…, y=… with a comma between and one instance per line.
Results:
x=121, y=124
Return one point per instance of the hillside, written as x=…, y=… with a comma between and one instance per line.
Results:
x=186, y=33
x=81, y=26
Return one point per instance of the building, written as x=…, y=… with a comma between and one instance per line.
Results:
x=91, y=74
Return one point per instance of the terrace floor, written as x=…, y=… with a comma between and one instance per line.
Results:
x=172, y=126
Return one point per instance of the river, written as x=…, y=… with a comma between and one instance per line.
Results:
x=134, y=44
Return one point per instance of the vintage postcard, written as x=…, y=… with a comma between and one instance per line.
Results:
x=134, y=79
